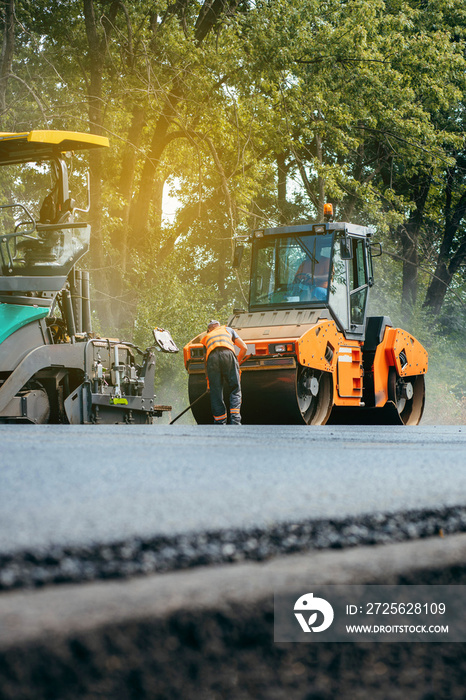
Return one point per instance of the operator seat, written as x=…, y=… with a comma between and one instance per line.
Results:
x=48, y=210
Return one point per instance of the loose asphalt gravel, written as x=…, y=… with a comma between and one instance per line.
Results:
x=40, y=566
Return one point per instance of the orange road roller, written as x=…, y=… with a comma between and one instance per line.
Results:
x=314, y=356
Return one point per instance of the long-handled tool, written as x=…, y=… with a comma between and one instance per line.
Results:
x=190, y=405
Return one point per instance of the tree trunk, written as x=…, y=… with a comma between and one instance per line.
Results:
x=209, y=16
x=452, y=254
x=438, y=288
x=320, y=182
x=125, y=185
x=139, y=211
x=97, y=51
x=409, y=235
x=281, y=188
x=226, y=243
x=409, y=240
x=8, y=47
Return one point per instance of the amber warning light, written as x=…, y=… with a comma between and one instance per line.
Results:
x=328, y=211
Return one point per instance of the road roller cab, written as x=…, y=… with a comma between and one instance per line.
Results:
x=315, y=355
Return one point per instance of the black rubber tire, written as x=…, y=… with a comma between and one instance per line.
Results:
x=410, y=410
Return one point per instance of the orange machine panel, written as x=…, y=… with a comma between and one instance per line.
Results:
x=324, y=348
x=400, y=350
x=349, y=372
x=406, y=353
x=317, y=347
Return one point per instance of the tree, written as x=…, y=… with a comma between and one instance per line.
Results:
x=451, y=257
x=8, y=23
x=251, y=112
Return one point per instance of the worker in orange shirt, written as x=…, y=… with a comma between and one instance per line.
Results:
x=222, y=368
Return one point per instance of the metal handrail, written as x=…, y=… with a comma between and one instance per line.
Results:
x=7, y=236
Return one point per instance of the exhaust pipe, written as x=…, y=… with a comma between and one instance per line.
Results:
x=76, y=295
x=86, y=313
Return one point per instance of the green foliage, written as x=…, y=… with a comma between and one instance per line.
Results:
x=443, y=337
x=361, y=102
x=184, y=307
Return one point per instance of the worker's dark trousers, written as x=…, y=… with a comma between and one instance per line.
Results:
x=223, y=374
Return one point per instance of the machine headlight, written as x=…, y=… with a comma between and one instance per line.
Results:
x=281, y=347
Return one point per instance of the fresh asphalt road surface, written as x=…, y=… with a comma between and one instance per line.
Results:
x=82, y=485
